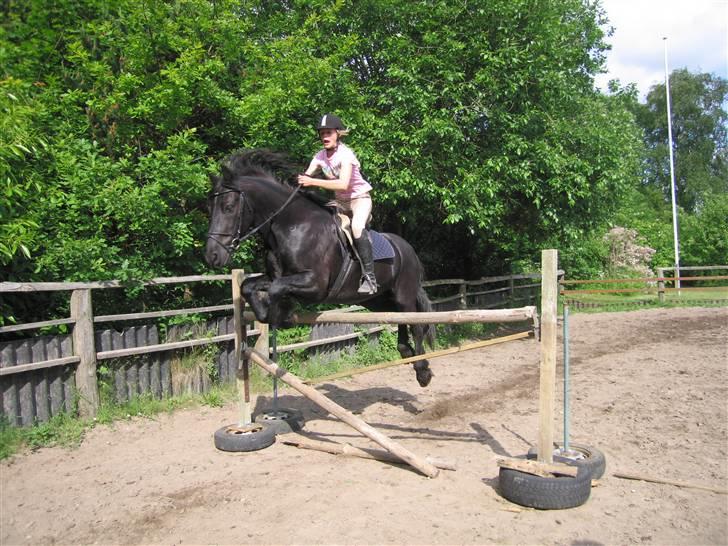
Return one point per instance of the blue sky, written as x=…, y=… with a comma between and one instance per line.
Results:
x=697, y=39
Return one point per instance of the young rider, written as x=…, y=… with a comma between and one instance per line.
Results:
x=342, y=174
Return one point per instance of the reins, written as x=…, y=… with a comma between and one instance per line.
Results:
x=238, y=237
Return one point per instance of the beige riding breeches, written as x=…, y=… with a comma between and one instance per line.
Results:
x=359, y=210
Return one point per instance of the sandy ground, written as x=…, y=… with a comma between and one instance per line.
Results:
x=649, y=388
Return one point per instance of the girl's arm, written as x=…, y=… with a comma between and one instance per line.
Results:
x=337, y=184
x=312, y=168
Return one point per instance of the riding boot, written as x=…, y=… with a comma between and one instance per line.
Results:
x=368, y=280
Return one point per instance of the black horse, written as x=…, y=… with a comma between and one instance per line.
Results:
x=305, y=253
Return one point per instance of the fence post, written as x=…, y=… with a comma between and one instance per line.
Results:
x=262, y=344
x=511, y=290
x=661, y=285
x=84, y=347
x=243, y=373
x=549, y=299
x=463, y=304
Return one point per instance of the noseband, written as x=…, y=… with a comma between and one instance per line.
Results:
x=237, y=233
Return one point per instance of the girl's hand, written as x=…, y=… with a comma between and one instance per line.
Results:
x=305, y=180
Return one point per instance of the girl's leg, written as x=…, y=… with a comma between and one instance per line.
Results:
x=361, y=208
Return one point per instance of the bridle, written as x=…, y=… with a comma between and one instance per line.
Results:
x=237, y=232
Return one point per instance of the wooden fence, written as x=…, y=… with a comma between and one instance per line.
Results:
x=42, y=376
x=649, y=286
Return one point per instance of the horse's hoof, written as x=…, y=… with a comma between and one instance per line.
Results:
x=424, y=375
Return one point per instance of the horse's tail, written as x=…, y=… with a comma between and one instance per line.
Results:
x=424, y=305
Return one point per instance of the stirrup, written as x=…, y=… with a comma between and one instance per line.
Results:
x=367, y=285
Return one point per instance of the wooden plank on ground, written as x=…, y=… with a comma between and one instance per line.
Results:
x=712, y=489
x=538, y=468
x=335, y=448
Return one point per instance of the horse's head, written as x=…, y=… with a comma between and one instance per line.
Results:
x=230, y=219
x=231, y=208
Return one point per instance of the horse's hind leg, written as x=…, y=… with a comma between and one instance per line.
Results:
x=422, y=367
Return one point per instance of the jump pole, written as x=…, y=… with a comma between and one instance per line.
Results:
x=430, y=355
x=518, y=314
x=349, y=418
x=421, y=317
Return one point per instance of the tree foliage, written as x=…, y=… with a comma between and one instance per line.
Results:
x=477, y=123
x=700, y=137
x=700, y=151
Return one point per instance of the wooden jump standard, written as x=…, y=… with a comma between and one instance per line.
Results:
x=246, y=354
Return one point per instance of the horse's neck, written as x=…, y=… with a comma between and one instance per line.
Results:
x=268, y=198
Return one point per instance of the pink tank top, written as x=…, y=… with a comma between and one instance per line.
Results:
x=331, y=167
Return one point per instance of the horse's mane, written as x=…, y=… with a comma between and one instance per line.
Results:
x=261, y=163
x=273, y=166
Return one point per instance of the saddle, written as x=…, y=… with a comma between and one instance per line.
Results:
x=382, y=249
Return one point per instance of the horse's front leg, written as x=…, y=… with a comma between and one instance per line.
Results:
x=255, y=292
x=304, y=286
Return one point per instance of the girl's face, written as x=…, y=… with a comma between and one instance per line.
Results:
x=329, y=138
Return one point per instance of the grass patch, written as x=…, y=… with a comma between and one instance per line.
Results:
x=631, y=301
x=62, y=430
x=66, y=430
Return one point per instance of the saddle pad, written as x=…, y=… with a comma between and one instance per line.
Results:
x=381, y=247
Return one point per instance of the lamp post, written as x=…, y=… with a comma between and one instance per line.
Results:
x=676, y=239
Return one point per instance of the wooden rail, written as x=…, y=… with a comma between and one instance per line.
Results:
x=658, y=289
x=58, y=286
x=430, y=355
x=432, y=317
x=647, y=279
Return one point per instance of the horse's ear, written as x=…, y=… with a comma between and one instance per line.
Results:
x=227, y=174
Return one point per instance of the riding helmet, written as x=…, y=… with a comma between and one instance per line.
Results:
x=330, y=121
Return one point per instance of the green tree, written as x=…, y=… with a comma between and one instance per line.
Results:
x=704, y=235
x=700, y=137
x=21, y=144
x=477, y=122
x=482, y=117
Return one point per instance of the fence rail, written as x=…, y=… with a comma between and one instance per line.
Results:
x=648, y=285
x=41, y=376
